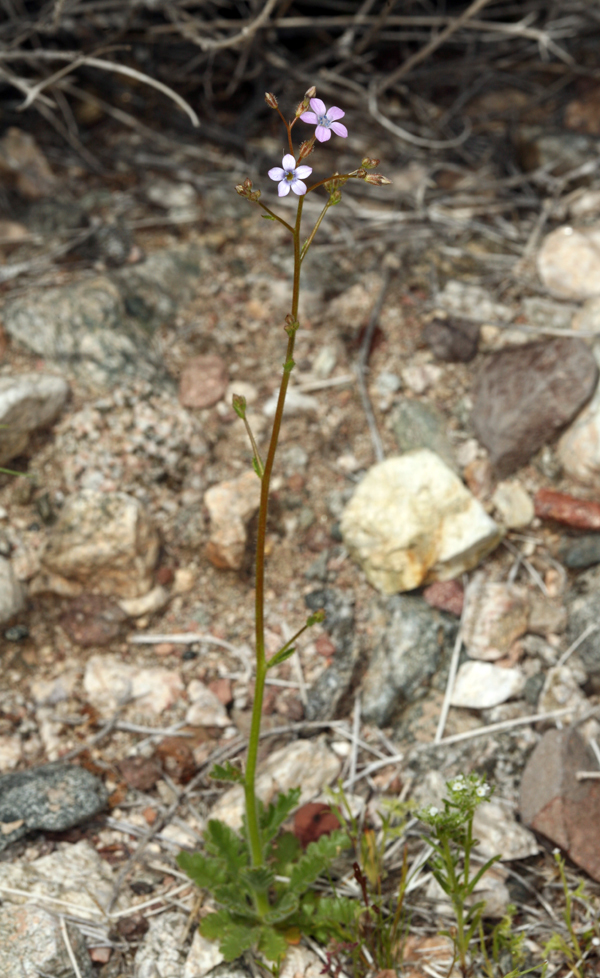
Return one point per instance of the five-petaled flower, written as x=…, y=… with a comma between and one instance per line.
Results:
x=325, y=120
x=290, y=176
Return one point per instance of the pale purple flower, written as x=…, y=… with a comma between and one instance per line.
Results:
x=290, y=176
x=325, y=120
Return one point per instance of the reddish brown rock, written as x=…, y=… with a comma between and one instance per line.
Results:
x=203, y=382
x=93, y=619
x=558, y=805
x=581, y=513
x=523, y=396
x=177, y=758
x=140, y=772
x=446, y=596
x=313, y=820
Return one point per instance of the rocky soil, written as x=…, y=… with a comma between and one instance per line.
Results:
x=436, y=491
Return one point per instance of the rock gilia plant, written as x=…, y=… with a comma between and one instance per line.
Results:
x=261, y=879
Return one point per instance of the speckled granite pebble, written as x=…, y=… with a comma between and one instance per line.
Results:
x=54, y=797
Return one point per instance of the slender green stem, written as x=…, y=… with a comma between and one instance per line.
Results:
x=309, y=240
x=275, y=217
x=254, y=838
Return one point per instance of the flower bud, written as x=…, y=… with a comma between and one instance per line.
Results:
x=271, y=100
x=241, y=190
x=247, y=184
x=238, y=402
x=369, y=164
x=306, y=148
x=255, y=195
x=360, y=174
x=378, y=179
x=310, y=92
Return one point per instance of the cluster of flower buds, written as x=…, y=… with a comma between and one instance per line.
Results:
x=369, y=164
x=245, y=190
x=377, y=179
x=305, y=103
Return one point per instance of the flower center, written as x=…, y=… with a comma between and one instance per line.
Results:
x=289, y=176
x=324, y=121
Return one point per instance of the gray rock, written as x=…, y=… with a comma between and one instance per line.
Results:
x=453, y=340
x=32, y=944
x=12, y=592
x=105, y=542
x=420, y=425
x=410, y=651
x=325, y=696
x=101, y=329
x=54, y=797
x=583, y=607
x=524, y=396
x=27, y=402
x=580, y=552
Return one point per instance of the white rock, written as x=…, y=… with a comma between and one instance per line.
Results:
x=33, y=944
x=148, y=604
x=495, y=614
x=104, y=540
x=308, y=764
x=12, y=592
x=27, y=402
x=569, y=262
x=230, y=505
x=480, y=685
x=107, y=680
x=10, y=752
x=203, y=956
x=205, y=710
x=301, y=962
x=295, y=403
x=412, y=521
x=160, y=954
x=419, y=377
x=499, y=833
x=472, y=302
x=49, y=692
x=514, y=505
x=579, y=448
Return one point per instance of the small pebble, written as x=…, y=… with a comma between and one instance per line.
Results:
x=18, y=633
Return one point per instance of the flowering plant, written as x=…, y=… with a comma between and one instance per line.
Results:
x=261, y=880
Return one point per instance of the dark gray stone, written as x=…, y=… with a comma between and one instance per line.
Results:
x=583, y=608
x=580, y=552
x=54, y=797
x=411, y=649
x=525, y=395
x=419, y=425
x=453, y=340
x=331, y=686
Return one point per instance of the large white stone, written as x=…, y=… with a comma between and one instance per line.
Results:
x=308, y=764
x=104, y=541
x=27, y=402
x=569, y=262
x=481, y=685
x=12, y=592
x=411, y=521
x=108, y=681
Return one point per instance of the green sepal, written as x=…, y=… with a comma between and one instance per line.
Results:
x=284, y=653
x=268, y=217
x=289, y=366
x=316, y=619
x=238, y=403
x=227, y=772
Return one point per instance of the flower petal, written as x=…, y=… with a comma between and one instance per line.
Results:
x=335, y=113
x=283, y=189
x=339, y=129
x=298, y=187
x=303, y=171
x=288, y=162
x=276, y=173
x=318, y=106
x=309, y=117
x=323, y=134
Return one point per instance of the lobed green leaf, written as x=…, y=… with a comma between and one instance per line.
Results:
x=271, y=818
x=227, y=772
x=318, y=856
